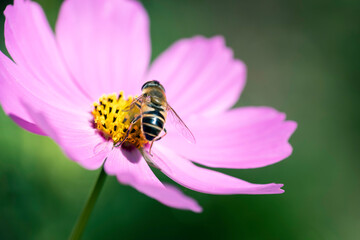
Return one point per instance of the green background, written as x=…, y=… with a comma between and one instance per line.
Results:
x=302, y=58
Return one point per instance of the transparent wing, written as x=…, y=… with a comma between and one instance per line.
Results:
x=135, y=103
x=180, y=125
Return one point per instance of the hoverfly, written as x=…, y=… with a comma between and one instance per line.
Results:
x=154, y=109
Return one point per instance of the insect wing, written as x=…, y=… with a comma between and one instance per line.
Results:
x=180, y=125
x=135, y=103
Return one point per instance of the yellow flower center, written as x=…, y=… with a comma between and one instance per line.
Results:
x=112, y=117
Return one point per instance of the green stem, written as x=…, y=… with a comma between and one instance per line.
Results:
x=85, y=214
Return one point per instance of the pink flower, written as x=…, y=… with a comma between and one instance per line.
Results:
x=101, y=47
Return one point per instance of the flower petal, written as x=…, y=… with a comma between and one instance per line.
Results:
x=29, y=126
x=14, y=89
x=9, y=99
x=204, y=180
x=247, y=137
x=19, y=86
x=106, y=44
x=73, y=132
x=32, y=45
x=131, y=169
x=196, y=71
x=36, y=111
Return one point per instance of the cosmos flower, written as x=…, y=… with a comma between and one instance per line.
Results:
x=103, y=47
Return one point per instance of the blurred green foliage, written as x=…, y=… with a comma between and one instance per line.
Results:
x=302, y=59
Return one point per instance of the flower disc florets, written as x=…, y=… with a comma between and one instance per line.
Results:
x=113, y=116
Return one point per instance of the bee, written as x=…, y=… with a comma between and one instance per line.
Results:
x=154, y=110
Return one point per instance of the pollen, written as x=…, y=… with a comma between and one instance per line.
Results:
x=113, y=116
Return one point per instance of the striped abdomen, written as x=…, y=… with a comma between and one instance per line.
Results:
x=152, y=122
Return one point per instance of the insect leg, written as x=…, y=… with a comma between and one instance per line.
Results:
x=157, y=139
x=128, y=131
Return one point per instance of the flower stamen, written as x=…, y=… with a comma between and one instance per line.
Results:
x=112, y=117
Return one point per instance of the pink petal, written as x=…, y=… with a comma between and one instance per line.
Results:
x=18, y=86
x=32, y=45
x=71, y=129
x=9, y=99
x=247, y=137
x=29, y=126
x=37, y=91
x=200, y=76
x=105, y=43
x=204, y=180
x=74, y=133
x=131, y=169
